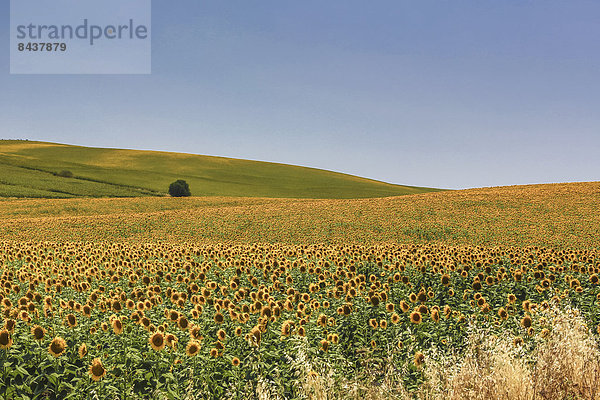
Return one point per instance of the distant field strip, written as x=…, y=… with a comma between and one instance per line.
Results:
x=555, y=215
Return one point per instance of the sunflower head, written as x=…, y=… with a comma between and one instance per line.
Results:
x=192, y=348
x=57, y=347
x=183, y=323
x=404, y=306
x=82, y=350
x=157, y=341
x=5, y=339
x=71, y=320
x=38, y=332
x=415, y=317
x=502, y=313
x=219, y=318
x=419, y=359
x=97, y=370
x=10, y=325
x=117, y=326
x=171, y=340
x=373, y=323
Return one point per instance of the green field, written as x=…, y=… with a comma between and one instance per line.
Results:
x=29, y=169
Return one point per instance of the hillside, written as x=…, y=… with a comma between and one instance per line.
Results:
x=29, y=169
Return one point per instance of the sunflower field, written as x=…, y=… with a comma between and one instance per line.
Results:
x=186, y=321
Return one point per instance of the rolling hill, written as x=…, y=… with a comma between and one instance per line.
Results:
x=32, y=169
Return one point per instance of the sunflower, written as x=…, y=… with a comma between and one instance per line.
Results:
x=415, y=317
x=192, y=348
x=71, y=320
x=447, y=311
x=173, y=315
x=10, y=325
x=87, y=310
x=255, y=335
x=526, y=321
x=97, y=370
x=82, y=350
x=346, y=309
x=157, y=341
x=322, y=320
x=171, y=340
x=219, y=318
x=183, y=323
x=235, y=362
x=404, y=306
x=57, y=347
x=419, y=359
x=117, y=326
x=435, y=315
x=324, y=344
x=502, y=313
x=373, y=323
x=144, y=321
x=395, y=318
x=195, y=332
x=5, y=339
x=38, y=332
x=374, y=300
x=383, y=324
x=214, y=352
x=116, y=306
x=389, y=307
x=445, y=279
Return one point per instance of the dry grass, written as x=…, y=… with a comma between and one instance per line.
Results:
x=564, y=365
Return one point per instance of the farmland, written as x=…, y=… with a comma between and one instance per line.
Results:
x=548, y=215
x=30, y=169
x=482, y=293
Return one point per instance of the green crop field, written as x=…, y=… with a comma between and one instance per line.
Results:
x=30, y=169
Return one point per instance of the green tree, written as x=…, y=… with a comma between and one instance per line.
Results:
x=179, y=188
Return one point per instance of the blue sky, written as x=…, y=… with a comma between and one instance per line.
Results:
x=450, y=94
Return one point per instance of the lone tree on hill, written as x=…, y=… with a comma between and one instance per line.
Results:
x=179, y=188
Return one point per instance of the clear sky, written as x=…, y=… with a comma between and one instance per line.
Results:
x=450, y=94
